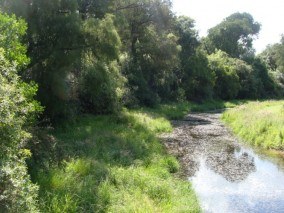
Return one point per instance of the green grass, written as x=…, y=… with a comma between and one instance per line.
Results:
x=259, y=123
x=179, y=110
x=113, y=163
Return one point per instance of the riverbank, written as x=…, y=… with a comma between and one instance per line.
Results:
x=260, y=124
x=112, y=163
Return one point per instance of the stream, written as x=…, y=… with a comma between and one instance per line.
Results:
x=226, y=175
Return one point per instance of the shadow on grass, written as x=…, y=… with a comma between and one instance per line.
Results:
x=102, y=161
x=116, y=140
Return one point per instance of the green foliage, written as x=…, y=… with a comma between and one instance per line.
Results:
x=198, y=79
x=152, y=50
x=236, y=78
x=102, y=37
x=157, y=54
x=101, y=88
x=227, y=83
x=280, y=56
x=11, y=30
x=79, y=49
x=234, y=35
x=259, y=123
x=113, y=163
x=101, y=84
x=273, y=57
x=270, y=56
x=187, y=37
x=17, y=193
x=60, y=35
x=266, y=87
x=249, y=84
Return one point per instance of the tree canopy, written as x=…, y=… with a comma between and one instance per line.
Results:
x=234, y=35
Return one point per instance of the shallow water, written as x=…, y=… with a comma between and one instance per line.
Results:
x=259, y=189
x=226, y=176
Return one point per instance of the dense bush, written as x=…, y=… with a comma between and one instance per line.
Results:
x=17, y=193
x=17, y=112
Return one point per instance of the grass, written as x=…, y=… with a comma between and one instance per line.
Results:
x=259, y=123
x=113, y=163
x=179, y=110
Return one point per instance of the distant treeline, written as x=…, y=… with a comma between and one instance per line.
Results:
x=96, y=56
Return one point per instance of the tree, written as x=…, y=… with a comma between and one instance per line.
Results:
x=101, y=85
x=197, y=80
x=150, y=48
x=188, y=36
x=234, y=35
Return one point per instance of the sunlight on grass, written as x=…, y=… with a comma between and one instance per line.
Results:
x=259, y=123
x=114, y=164
x=175, y=111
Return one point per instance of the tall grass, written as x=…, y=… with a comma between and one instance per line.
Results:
x=259, y=123
x=113, y=163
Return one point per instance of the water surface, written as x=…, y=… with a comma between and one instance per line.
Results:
x=226, y=175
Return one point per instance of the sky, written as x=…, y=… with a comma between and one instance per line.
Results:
x=209, y=13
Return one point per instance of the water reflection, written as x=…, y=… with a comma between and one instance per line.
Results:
x=226, y=176
x=233, y=165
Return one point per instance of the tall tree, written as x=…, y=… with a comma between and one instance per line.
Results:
x=234, y=35
x=197, y=79
x=150, y=46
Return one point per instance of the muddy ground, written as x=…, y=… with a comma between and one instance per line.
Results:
x=203, y=136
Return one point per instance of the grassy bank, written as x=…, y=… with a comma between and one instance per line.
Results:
x=259, y=123
x=179, y=110
x=112, y=164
